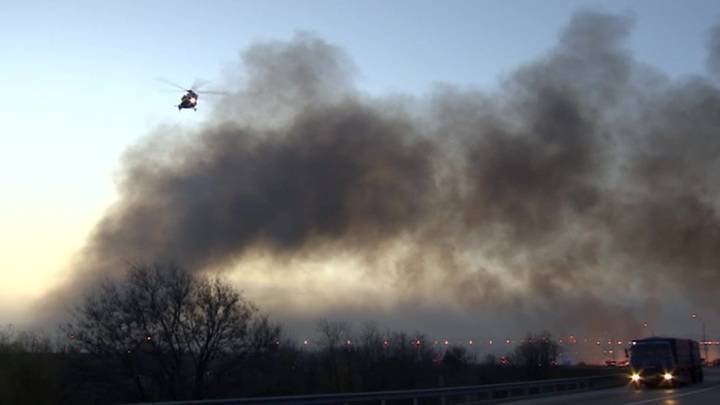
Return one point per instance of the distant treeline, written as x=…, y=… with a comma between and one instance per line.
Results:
x=163, y=334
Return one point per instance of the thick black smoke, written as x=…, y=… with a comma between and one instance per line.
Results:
x=574, y=195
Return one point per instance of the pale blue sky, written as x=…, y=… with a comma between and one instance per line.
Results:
x=78, y=82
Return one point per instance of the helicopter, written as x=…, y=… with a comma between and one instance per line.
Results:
x=190, y=98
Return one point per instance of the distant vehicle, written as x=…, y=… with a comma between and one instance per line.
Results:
x=190, y=98
x=662, y=361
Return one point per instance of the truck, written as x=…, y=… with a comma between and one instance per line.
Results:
x=664, y=361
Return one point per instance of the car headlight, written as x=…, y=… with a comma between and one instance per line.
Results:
x=635, y=377
x=668, y=376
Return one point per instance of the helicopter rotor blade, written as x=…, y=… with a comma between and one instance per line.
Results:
x=199, y=83
x=166, y=81
x=223, y=93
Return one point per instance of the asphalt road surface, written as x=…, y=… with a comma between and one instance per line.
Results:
x=707, y=393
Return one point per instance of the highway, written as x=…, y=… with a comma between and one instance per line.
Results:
x=707, y=393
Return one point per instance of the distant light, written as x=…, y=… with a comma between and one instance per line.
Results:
x=490, y=341
x=668, y=376
x=349, y=343
x=635, y=377
x=470, y=342
x=305, y=342
x=148, y=338
x=446, y=343
x=507, y=341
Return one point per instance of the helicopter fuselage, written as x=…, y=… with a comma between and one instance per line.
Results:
x=189, y=100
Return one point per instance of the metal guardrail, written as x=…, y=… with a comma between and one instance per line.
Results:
x=449, y=395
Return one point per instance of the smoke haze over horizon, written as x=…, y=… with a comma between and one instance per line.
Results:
x=580, y=196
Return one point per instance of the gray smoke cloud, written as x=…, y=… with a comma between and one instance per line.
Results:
x=713, y=45
x=577, y=194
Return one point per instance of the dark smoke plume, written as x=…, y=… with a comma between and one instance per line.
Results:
x=574, y=195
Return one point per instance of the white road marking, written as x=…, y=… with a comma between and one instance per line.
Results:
x=673, y=396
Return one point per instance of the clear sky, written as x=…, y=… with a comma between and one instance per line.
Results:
x=78, y=84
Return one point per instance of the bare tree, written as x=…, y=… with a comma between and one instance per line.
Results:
x=333, y=335
x=373, y=344
x=457, y=357
x=166, y=328
x=333, y=338
x=489, y=360
x=536, y=353
x=7, y=338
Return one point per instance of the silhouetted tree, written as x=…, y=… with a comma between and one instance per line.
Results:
x=335, y=345
x=167, y=329
x=457, y=357
x=28, y=362
x=536, y=353
x=489, y=360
